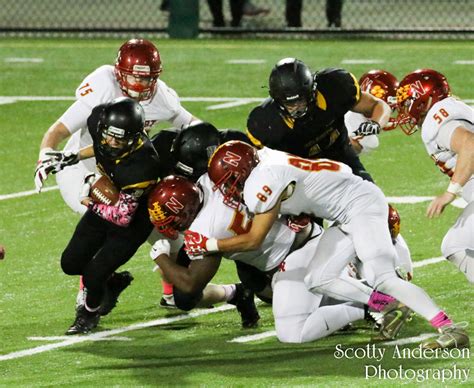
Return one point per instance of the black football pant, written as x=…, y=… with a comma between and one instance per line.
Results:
x=98, y=248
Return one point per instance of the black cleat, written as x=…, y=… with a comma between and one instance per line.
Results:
x=85, y=321
x=118, y=282
x=167, y=301
x=245, y=303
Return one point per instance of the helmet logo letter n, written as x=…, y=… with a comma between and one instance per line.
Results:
x=174, y=205
x=232, y=159
x=417, y=88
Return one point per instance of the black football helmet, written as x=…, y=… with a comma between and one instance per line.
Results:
x=122, y=119
x=292, y=83
x=192, y=148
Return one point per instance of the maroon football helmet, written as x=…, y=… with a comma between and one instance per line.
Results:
x=229, y=167
x=381, y=84
x=417, y=93
x=393, y=221
x=173, y=205
x=137, y=68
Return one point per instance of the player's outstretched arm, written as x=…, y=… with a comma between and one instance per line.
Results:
x=462, y=143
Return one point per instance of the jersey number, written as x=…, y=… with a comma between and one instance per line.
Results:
x=86, y=90
x=309, y=165
x=239, y=224
x=440, y=115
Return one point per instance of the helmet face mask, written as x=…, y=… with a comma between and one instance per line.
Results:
x=417, y=93
x=292, y=86
x=229, y=167
x=120, y=126
x=137, y=68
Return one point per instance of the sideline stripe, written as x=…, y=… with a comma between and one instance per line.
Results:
x=104, y=334
x=23, y=60
x=464, y=62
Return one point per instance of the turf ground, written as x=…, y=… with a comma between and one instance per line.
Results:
x=140, y=344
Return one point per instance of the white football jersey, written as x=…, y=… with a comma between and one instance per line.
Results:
x=321, y=187
x=352, y=121
x=440, y=122
x=218, y=220
x=100, y=87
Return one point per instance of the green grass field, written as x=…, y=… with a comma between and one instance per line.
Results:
x=37, y=299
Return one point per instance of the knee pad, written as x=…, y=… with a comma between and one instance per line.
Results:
x=185, y=301
x=69, y=265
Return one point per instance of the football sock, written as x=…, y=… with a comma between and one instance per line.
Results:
x=167, y=288
x=441, y=320
x=378, y=300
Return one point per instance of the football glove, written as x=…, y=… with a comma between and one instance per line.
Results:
x=51, y=162
x=161, y=247
x=89, y=180
x=368, y=128
x=196, y=244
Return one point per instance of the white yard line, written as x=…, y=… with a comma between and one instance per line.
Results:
x=423, y=263
x=23, y=60
x=255, y=337
x=65, y=337
x=460, y=203
x=410, y=340
x=361, y=61
x=464, y=62
x=104, y=334
x=246, y=61
x=26, y=193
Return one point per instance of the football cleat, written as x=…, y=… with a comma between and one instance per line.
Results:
x=394, y=316
x=452, y=337
x=85, y=321
x=167, y=301
x=245, y=303
x=115, y=285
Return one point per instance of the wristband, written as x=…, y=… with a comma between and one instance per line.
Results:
x=211, y=245
x=454, y=188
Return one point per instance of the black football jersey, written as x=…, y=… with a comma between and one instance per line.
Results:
x=319, y=133
x=163, y=142
x=136, y=170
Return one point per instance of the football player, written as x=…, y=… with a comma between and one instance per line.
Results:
x=272, y=183
x=305, y=113
x=136, y=75
x=447, y=129
x=383, y=85
x=284, y=256
x=107, y=236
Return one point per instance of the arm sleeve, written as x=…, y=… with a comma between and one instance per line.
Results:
x=121, y=213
